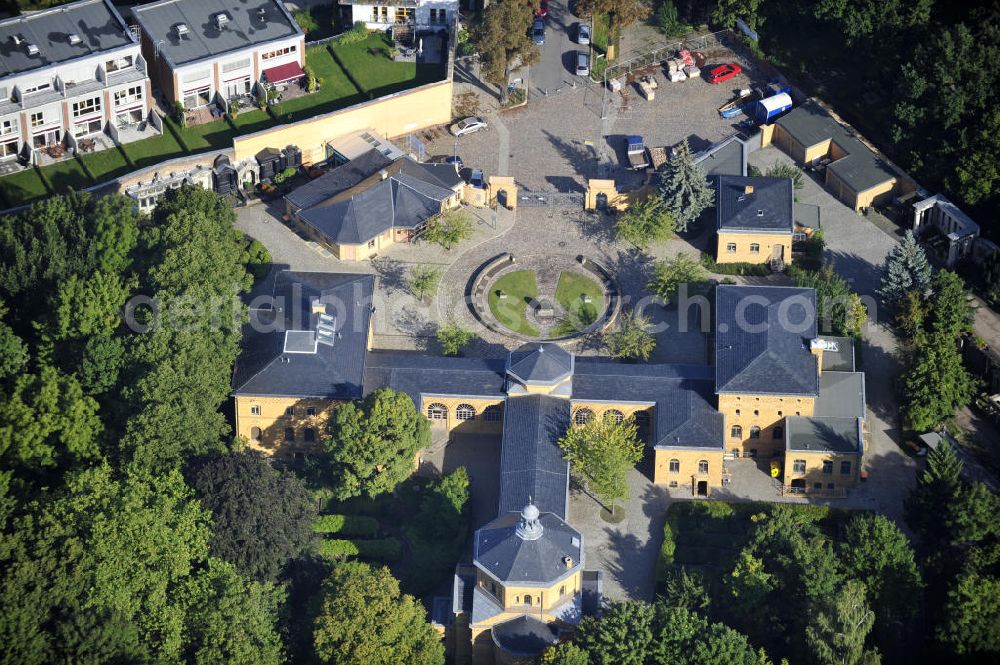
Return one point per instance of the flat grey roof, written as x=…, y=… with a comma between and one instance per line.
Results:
x=860, y=170
x=95, y=22
x=754, y=203
x=727, y=157
x=832, y=435
x=204, y=39
x=841, y=360
x=806, y=214
x=841, y=395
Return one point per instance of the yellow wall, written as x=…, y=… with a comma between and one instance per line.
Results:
x=606, y=187
x=600, y=409
x=393, y=115
x=859, y=200
x=512, y=597
x=452, y=423
x=687, y=475
x=535, y=389
x=814, y=471
x=765, y=241
x=764, y=412
x=273, y=421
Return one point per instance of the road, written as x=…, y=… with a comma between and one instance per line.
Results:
x=556, y=69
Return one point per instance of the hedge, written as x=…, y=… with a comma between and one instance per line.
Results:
x=348, y=525
x=754, y=269
x=382, y=549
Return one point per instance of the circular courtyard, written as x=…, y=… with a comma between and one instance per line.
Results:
x=544, y=296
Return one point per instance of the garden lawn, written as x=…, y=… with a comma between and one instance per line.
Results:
x=521, y=288
x=106, y=164
x=153, y=150
x=215, y=135
x=370, y=66
x=19, y=188
x=336, y=90
x=249, y=122
x=570, y=291
x=66, y=175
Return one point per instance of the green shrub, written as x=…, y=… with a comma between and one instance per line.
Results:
x=305, y=20
x=383, y=549
x=754, y=269
x=355, y=35
x=347, y=525
x=665, y=562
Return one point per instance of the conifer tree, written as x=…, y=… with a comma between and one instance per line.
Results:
x=685, y=189
x=905, y=269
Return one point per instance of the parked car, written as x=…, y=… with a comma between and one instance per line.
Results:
x=456, y=160
x=467, y=126
x=582, y=64
x=477, y=179
x=538, y=31
x=582, y=34
x=543, y=9
x=724, y=73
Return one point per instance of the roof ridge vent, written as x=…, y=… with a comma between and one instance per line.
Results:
x=74, y=39
x=262, y=14
x=181, y=29
x=221, y=19
x=32, y=49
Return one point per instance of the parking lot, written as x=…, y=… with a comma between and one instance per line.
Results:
x=557, y=143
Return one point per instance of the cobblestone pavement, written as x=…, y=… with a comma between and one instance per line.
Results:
x=557, y=142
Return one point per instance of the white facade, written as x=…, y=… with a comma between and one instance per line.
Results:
x=233, y=74
x=422, y=14
x=938, y=212
x=68, y=100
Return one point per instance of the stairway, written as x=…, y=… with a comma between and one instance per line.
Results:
x=402, y=35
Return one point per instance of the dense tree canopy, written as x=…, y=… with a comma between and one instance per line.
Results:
x=365, y=619
x=503, y=40
x=373, y=444
x=261, y=517
x=601, y=452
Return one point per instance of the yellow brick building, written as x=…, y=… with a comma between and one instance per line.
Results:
x=754, y=220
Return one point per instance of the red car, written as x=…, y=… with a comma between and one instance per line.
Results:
x=724, y=73
x=543, y=9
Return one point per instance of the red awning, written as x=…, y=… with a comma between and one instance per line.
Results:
x=290, y=71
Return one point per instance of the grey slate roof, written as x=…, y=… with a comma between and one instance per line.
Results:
x=835, y=435
x=204, y=39
x=417, y=374
x=841, y=394
x=525, y=636
x=408, y=195
x=682, y=396
x=531, y=462
x=768, y=208
x=756, y=352
x=96, y=22
x=514, y=560
x=339, y=179
x=727, y=157
x=540, y=363
x=333, y=371
x=860, y=169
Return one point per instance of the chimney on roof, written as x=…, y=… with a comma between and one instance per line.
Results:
x=32, y=49
x=221, y=19
x=74, y=39
x=568, y=561
x=748, y=190
x=383, y=174
x=261, y=14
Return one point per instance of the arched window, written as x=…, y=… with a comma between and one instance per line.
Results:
x=527, y=601
x=754, y=432
x=437, y=411
x=614, y=415
x=465, y=412
x=675, y=466
x=255, y=433
x=703, y=466
x=583, y=416
x=562, y=591
x=289, y=434
x=736, y=432
x=517, y=600
x=309, y=435
x=492, y=414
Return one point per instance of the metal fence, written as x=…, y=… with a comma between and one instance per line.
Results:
x=550, y=199
x=722, y=38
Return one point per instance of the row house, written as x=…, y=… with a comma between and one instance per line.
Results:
x=415, y=15
x=67, y=74
x=204, y=52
